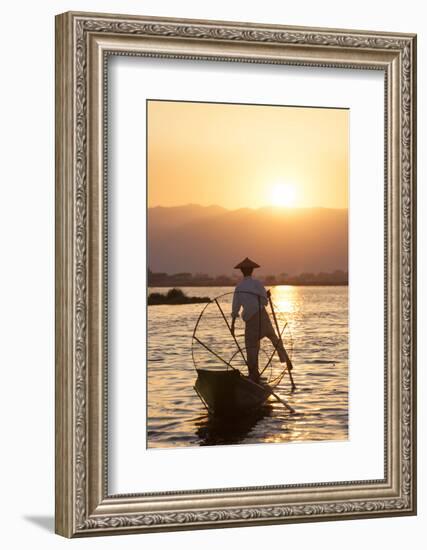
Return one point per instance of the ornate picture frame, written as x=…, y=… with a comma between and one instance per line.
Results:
x=84, y=506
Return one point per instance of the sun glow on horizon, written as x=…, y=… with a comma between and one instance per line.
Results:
x=246, y=156
x=283, y=195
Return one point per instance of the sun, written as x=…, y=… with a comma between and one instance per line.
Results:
x=283, y=194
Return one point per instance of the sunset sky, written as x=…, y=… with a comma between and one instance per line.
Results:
x=247, y=156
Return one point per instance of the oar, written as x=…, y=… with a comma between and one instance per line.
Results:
x=274, y=351
x=280, y=336
x=267, y=387
x=271, y=392
x=290, y=409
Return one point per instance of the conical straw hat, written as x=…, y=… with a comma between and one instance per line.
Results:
x=246, y=263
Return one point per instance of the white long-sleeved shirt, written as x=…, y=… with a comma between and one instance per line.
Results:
x=250, y=295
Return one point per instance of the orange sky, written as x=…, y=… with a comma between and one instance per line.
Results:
x=247, y=156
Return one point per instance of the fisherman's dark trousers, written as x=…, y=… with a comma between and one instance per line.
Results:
x=257, y=327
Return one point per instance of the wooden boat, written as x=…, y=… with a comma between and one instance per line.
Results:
x=229, y=393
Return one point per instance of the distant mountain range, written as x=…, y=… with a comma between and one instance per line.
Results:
x=212, y=239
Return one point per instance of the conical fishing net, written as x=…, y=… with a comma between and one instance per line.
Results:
x=215, y=348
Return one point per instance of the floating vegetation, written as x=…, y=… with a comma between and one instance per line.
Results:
x=175, y=296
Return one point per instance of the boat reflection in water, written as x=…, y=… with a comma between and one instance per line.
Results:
x=211, y=430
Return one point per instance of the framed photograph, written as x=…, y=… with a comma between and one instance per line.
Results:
x=235, y=274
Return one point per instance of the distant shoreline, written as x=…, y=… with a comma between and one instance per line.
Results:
x=182, y=279
x=206, y=285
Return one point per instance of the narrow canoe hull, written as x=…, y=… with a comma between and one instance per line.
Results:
x=228, y=393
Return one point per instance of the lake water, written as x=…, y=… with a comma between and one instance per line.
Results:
x=315, y=322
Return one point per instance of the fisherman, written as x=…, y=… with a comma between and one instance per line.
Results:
x=251, y=296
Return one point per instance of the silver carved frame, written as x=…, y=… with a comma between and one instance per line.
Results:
x=83, y=43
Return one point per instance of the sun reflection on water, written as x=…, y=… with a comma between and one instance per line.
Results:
x=285, y=298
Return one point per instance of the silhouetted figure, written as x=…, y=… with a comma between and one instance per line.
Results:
x=251, y=296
